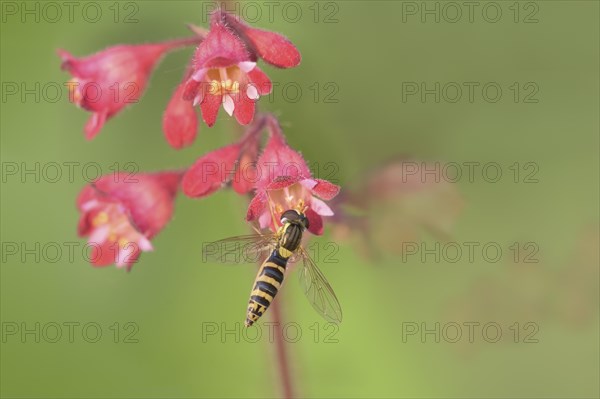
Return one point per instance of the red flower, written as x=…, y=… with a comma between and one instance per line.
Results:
x=272, y=47
x=286, y=183
x=233, y=164
x=106, y=82
x=180, y=123
x=121, y=214
x=225, y=70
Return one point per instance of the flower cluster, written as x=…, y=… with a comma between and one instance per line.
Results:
x=280, y=177
x=120, y=217
x=223, y=71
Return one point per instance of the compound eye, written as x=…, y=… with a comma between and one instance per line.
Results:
x=289, y=215
x=305, y=221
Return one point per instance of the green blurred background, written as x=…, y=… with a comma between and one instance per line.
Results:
x=367, y=50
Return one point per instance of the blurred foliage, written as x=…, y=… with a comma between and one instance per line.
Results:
x=364, y=57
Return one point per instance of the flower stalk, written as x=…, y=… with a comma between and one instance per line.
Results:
x=282, y=357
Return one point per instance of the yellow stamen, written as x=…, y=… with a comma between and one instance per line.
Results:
x=225, y=85
x=215, y=87
x=300, y=207
x=101, y=218
x=74, y=92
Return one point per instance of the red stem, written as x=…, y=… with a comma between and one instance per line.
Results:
x=255, y=128
x=283, y=361
x=273, y=126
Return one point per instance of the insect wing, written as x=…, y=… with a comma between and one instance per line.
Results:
x=240, y=249
x=318, y=291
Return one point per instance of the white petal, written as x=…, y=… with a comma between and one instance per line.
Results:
x=124, y=255
x=228, y=104
x=198, y=99
x=247, y=66
x=99, y=235
x=89, y=205
x=309, y=183
x=252, y=93
x=144, y=244
x=199, y=74
x=265, y=220
x=320, y=207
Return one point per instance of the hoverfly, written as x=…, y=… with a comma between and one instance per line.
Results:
x=277, y=249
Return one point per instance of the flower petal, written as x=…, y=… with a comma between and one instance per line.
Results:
x=132, y=260
x=252, y=92
x=67, y=59
x=309, y=183
x=325, y=189
x=246, y=174
x=315, y=222
x=278, y=159
x=210, y=108
x=180, y=123
x=320, y=207
x=144, y=244
x=245, y=178
x=261, y=81
x=247, y=66
x=244, y=109
x=89, y=205
x=274, y=48
x=124, y=255
x=95, y=124
x=211, y=171
x=190, y=91
x=228, y=104
x=282, y=182
x=198, y=75
x=103, y=254
x=99, y=235
x=220, y=49
x=266, y=220
x=86, y=200
x=257, y=206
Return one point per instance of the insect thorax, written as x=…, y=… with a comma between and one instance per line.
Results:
x=291, y=236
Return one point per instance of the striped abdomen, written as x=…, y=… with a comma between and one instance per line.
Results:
x=267, y=284
x=270, y=275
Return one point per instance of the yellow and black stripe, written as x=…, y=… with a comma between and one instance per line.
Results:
x=270, y=275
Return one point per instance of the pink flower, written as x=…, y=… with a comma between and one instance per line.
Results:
x=286, y=183
x=106, y=82
x=180, y=123
x=120, y=214
x=272, y=47
x=225, y=73
x=233, y=164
